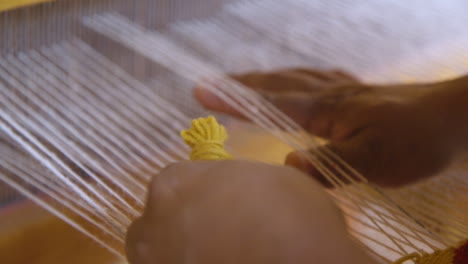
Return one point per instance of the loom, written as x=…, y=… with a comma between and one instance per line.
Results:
x=95, y=92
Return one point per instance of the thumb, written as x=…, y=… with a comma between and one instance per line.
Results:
x=339, y=163
x=137, y=249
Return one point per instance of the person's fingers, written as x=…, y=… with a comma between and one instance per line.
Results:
x=281, y=81
x=316, y=74
x=343, y=120
x=339, y=112
x=288, y=81
x=344, y=75
x=329, y=76
x=361, y=153
x=294, y=104
x=211, y=101
x=316, y=168
x=317, y=113
x=300, y=107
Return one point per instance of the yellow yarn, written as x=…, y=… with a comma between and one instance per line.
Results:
x=12, y=4
x=438, y=257
x=206, y=138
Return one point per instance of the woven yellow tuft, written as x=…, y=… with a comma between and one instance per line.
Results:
x=206, y=137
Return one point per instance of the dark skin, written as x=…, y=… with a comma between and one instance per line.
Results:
x=244, y=212
x=234, y=212
x=393, y=135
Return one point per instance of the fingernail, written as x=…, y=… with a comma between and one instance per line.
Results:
x=301, y=163
x=297, y=161
x=207, y=98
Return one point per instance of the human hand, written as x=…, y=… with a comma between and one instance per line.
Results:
x=239, y=212
x=387, y=133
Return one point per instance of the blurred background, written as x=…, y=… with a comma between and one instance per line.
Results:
x=381, y=41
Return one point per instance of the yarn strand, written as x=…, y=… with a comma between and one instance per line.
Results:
x=206, y=137
x=457, y=255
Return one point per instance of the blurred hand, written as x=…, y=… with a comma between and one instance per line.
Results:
x=239, y=212
x=386, y=133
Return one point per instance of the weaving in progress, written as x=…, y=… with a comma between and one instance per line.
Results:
x=96, y=98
